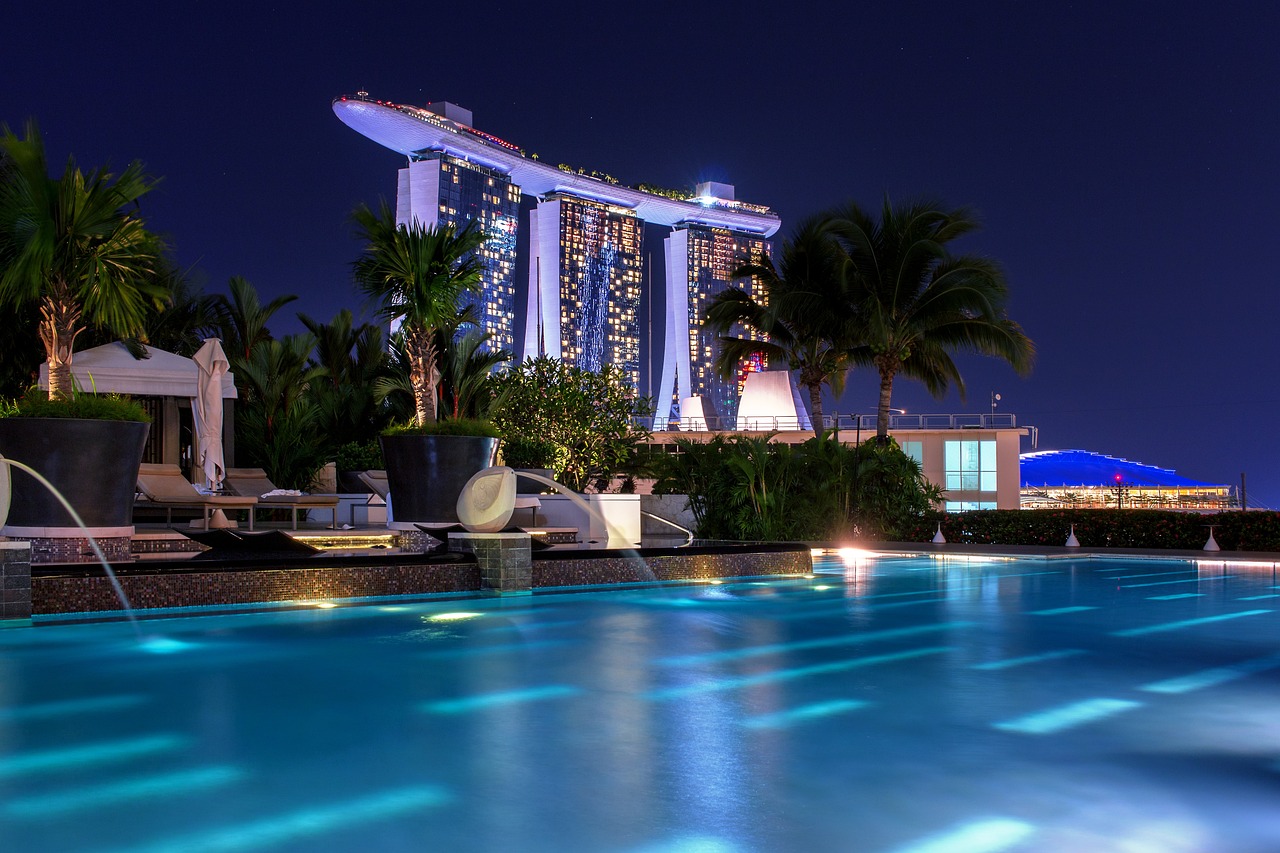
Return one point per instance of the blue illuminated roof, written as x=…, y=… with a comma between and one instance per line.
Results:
x=1059, y=468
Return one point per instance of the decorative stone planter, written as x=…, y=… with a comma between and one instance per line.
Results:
x=93, y=463
x=426, y=474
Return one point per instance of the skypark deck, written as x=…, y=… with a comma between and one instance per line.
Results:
x=413, y=131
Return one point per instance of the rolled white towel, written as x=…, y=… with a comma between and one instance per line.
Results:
x=275, y=493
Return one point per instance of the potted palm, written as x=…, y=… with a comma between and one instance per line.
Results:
x=418, y=275
x=74, y=246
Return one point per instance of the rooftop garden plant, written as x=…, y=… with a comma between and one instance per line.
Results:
x=75, y=246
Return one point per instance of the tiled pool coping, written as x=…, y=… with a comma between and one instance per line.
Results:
x=163, y=584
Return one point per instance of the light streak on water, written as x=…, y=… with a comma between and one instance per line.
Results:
x=120, y=791
x=783, y=719
x=980, y=836
x=821, y=643
x=734, y=683
x=1185, y=623
x=1010, y=663
x=286, y=828
x=70, y=707
x=79, y=757
x=1065, y=717
x=485, y=701
x=1213, y=677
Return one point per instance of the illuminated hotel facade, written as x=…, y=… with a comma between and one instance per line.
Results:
x=586, y=252
x=436, y=189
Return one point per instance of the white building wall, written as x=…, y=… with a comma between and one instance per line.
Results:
x=676, y=365
x=544, y=282
x=418, y=194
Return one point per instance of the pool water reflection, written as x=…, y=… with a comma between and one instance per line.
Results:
x=886, y=704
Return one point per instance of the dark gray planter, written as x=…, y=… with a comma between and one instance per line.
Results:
x=94, y=463
x=525, y=486
x=426, y=473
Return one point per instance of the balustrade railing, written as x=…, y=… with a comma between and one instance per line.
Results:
x=840, y=422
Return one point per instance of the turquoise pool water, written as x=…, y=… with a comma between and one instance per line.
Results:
x=886, y=704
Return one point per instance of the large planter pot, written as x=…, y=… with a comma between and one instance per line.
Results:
x=93, y=463
x=525, y=486
x=426, y=473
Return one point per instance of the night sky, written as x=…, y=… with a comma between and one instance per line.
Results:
x=1124, y=157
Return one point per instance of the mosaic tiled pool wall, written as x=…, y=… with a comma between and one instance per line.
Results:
x=91, y=593
x=87, y=590
x=551, y=570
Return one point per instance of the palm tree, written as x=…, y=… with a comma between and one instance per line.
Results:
x=241, y=318
x=76, y=246
x=917, y=303
x=804, y=314
x=418, y=274
x=354, y=359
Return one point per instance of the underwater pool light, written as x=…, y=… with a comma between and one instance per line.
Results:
x=452, y=617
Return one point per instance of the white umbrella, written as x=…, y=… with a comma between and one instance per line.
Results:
x=212, y=363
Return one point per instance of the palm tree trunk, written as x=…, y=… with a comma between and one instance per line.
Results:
x=882, y=410
x=59, y=327
x=815, y=405
x=422, y=374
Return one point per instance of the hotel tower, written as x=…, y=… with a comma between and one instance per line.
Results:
x=586, y=252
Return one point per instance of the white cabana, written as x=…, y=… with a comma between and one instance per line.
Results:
x=111, y=369
x=166, y=384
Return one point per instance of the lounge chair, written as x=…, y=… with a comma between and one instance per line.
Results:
x=254, y=482
x=164, y=485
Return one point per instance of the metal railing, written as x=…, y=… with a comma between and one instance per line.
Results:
x=842, y=423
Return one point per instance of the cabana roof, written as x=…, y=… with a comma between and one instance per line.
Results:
x=112, y=369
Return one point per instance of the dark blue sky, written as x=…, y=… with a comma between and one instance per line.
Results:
x=1125, y=158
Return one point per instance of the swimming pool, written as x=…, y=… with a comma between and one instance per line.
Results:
x=886, y=704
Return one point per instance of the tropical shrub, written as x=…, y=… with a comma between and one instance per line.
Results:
x=592, y=418
x=752, y=488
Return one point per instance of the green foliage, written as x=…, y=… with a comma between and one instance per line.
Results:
x=103, y=407
x=1105, y=528
x=354, y=360
x=277, y=424
x=359, y=456
x=752, y=488
x=453, y=426
x=916, y=303
x=520, y=451
x=590, y=417
x=799, y=310
x=76, y=246
x=417, y=275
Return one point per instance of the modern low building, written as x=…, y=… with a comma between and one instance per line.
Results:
x=974, y=458
x=1058, y=479
x=586, y=253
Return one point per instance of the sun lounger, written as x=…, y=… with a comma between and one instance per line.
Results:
x=164, y=486
x=253, y=482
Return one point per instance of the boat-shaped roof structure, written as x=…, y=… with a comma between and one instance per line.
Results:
x=415, y=132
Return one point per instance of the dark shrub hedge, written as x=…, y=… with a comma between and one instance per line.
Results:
x=1105, y=528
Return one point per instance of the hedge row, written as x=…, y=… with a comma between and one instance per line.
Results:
x=1103, y=528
